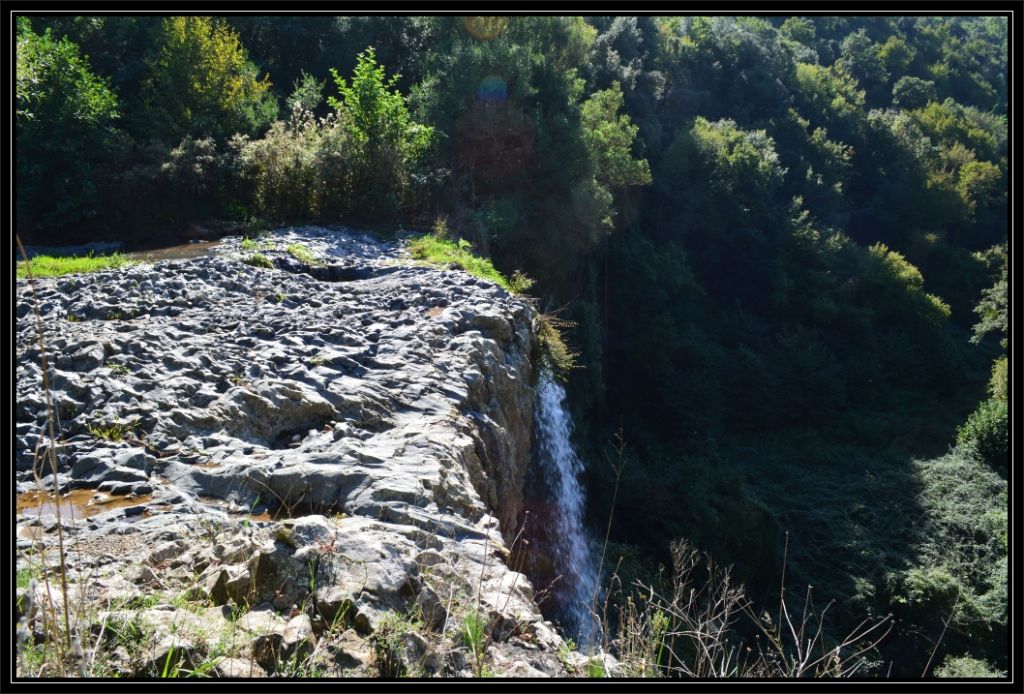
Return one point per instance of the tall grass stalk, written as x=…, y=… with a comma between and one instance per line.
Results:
x=52, y=450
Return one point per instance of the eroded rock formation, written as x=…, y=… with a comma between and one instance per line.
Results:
x=318, y=447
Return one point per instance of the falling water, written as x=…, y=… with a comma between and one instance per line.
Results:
x=569, y=548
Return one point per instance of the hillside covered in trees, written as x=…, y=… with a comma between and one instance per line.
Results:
x=777, y=245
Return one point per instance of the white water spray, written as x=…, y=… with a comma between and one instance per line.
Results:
x=570, y=547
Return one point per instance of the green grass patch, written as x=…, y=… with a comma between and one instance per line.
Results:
x=119, y=369
x=52, y=266
x=25, y=576
x=437, y=251
x=257, y=244
x=302, y=253
x=258, y=260
x=117, y=431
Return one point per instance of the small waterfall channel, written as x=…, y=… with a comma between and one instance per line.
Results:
x=566, y=540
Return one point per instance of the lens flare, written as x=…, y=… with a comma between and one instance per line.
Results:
x=485, y=28
x=491, y=90
x=494, y=141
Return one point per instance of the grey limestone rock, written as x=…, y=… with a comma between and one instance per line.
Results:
x=336, y=441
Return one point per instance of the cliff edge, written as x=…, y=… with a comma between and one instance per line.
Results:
x=301, y=455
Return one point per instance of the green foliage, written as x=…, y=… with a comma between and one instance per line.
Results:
x=114, y=431
x=902, y=284
x=202, y=83
x=781, y=320
x=912, y=92
x=863, y=59
x=300, y=169
x=193, y=180
x=474, y=627
x=386, y=143
x=307, y=95
x=738, y=158
x=258, y=260
x=119, y=369
x=55, y=85
x=986, y=432
x=50, y=266
x=966, y=667
x=519, y=283
x=64, y=114
x=439, y=251
x=1000, y=381
x=962, y=567
x=359, y=161
x=554, y=350
x=388, y=642
x=609, y=137
x=992, y=310
x=302, y=253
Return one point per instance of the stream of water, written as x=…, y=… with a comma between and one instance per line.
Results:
x=560, y=466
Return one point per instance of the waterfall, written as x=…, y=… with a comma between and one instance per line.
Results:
x=568, y=544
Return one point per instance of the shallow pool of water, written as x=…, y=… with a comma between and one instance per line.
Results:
x=78, y=503
x=184, y=251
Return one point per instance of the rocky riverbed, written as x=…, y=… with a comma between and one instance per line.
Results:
x=310, y=468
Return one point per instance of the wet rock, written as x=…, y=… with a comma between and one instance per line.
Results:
x=95, y=468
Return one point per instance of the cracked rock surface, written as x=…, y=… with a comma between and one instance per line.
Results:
x=315, y=445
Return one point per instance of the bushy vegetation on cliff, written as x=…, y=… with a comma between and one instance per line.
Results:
x=770, y=234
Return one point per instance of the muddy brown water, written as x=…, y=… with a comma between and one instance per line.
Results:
x=184, y=251
x=78, y=503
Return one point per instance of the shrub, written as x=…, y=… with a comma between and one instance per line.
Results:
x=966, y=667
x=1000, y=379
x=386, y=144
x=986, y=432
x=693, y=631
x=299, y=169
x=520, y=283
x=440, y=228
x=359, y=160
x=194, y=180
x=554, y=350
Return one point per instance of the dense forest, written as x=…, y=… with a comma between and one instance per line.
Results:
x=777, y=247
